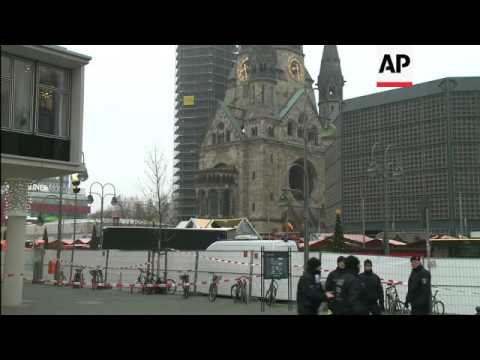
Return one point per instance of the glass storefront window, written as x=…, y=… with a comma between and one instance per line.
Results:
x=53, y=112
x=52, y=77
x=23, y=81
x=6, y=83
x=6, y=69
x=53, y=101
x=52, y=115
x=6, y=80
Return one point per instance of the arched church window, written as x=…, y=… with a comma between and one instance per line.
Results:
x=245, y=91
x=290, y=128
x=271, y=132
x=253, y=206
x=331, y=91
x=228, y=136
x=253, y=175
x=312, y=136
x=301, y=118
x=300, y=132
x=214, y=139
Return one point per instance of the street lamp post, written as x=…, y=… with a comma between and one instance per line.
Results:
x=59, y=228
x=59, y=231
x=102, y=196
x=306, y=193
x=74, y=235
x=396, y=172
x=76, y=178
x=306, y=238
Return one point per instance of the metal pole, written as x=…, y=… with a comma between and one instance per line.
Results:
x=363, y=220
x=196, y=274
x=461, y=215
x=59, y=231
x=306, y=238
x=106, y=266
x=385, y=192
x=158, y=263
x=74, y=235
x=251, y=275
x=429, y=247
x=289, y=279
x=165, y=273
x=101, y=221
x=262, y=285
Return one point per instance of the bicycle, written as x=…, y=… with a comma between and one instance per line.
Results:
x=185, y=284
x=393, y=303
x=169, y=286
x=78, y=278
x=146, y=279
x=213, y=289
x=238, y=291
x=97, y=279
x=271, y=295
x=438, y=307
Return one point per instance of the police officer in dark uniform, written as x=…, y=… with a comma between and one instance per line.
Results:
x=419, y=293
x=373, y=289
x=350, y=290
x=332, y=276
x=309, y=290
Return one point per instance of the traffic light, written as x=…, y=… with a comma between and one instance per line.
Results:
x=76, y=183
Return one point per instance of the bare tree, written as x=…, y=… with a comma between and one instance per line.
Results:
x=156, y=187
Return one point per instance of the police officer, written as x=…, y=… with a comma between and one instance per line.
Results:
x=373, y=289
x=332, y=276
x=419, y=293
x=309, y=291
x=350, y=290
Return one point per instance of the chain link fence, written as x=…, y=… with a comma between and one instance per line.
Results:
x=457, y=280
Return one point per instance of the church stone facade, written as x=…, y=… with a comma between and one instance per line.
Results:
x=253, y=150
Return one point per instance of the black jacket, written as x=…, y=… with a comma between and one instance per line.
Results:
x=330, y=284
x=373, y=288
x=349, y=295
x=419, y=293
x=309, y=294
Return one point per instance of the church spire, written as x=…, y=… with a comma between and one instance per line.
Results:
x=330, y=79
x=330, y=84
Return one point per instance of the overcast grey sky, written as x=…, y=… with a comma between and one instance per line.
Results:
x=129, y=98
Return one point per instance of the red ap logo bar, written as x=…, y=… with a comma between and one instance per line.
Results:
x=395, y=66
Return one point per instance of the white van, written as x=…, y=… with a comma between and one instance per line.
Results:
x=254, y=245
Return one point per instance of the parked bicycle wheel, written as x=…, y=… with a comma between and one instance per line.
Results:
x=398, y=307
x=171, y=287
x=235, y=292
x=212, y=293
x=438, y=308
x=244, y=293
x=270, y=296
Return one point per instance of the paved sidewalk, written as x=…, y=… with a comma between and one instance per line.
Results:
x=52, y=300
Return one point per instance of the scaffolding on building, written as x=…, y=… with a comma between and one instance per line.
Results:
x=201, y=77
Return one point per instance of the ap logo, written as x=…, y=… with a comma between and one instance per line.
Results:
x=394, y=66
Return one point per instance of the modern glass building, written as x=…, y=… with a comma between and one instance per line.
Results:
x=433, y=134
